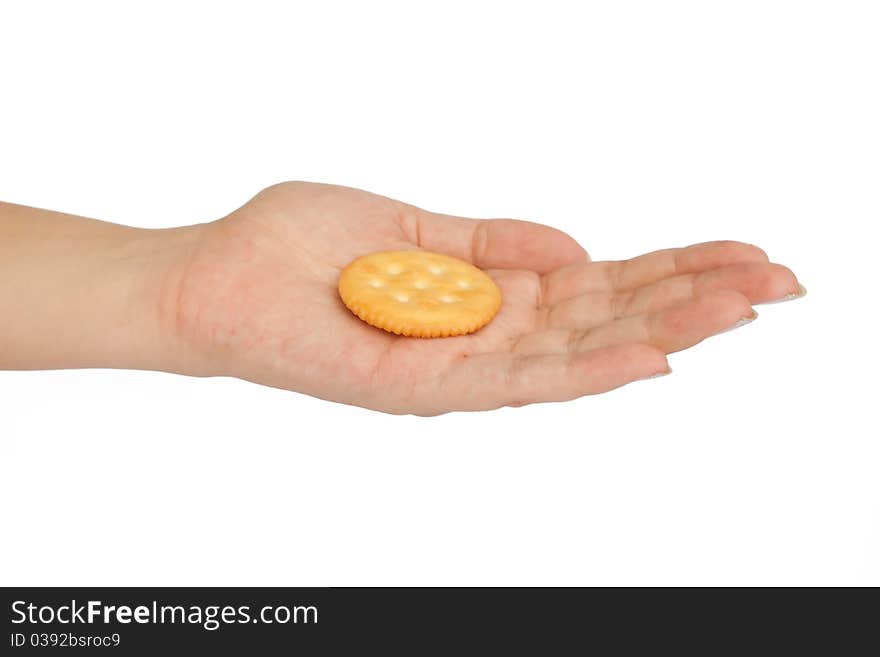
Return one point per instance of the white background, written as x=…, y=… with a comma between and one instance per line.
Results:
x=631, y=125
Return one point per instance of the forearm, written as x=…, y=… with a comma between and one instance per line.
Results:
x=75, y=292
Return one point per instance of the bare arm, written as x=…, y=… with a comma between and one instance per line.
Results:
x=75, y=292
x=253, y=295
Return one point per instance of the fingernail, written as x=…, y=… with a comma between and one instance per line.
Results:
x=802, y=291
x=658, y=375
x=742, y=321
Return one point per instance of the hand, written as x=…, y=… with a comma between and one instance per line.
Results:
x=256, y=298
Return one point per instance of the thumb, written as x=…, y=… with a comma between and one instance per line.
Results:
x=498, y=243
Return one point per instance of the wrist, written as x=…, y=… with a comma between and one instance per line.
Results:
x=156, y=264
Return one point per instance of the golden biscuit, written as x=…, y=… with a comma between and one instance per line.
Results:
x=419, y=293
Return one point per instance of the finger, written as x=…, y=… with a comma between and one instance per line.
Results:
x=581, y=278
x=759, y=282
x=494, y=380
x=670, y=330
x=498, y=243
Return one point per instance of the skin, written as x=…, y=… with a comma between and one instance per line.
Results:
x=253, y=295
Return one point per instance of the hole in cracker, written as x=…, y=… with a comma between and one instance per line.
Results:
x=394, y=269
x=420, y=284
x=403, y=298
x=463, y=284
x=448, y=298
x=377, y=283
x=436, y=269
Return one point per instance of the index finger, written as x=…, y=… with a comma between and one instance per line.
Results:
x=611, y=276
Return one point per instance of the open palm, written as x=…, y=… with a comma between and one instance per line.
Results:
x=257, y=299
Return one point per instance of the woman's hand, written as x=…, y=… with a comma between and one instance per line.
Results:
x=254, y=296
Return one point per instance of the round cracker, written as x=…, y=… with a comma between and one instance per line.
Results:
x=419, y=293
